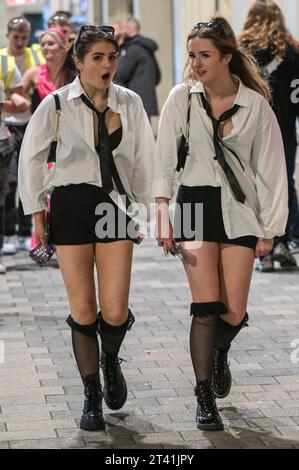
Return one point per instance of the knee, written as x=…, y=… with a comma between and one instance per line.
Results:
x=115, y=315
x=235, y=318
x=84, y=313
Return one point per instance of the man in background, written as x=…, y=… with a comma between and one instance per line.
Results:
x=138, y=69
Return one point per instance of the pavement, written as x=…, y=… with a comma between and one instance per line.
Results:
x=41, y=395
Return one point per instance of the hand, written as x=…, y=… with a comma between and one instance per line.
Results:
x=22, y=104
x=164, y=230
x=263, y=248
x=165, y=238
x=39, y=230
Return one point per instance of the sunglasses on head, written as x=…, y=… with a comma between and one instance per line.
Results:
x=213, y=25
x=103, y=28
x=18, y=22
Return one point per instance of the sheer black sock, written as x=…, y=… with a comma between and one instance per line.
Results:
x=86, y=347
x=225, y=333
x=202, y=337
x=113, y=336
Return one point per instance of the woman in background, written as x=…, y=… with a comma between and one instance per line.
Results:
x=266, y=37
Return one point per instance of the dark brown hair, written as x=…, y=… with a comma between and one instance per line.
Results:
x=242, y=64
x=79, y=49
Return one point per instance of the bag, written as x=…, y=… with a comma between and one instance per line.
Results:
x=184, y=144
x=41, y=254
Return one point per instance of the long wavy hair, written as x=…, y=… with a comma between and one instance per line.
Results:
x=242, y=64
x=264, y=28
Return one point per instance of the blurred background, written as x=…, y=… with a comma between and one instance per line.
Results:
x=166, y=21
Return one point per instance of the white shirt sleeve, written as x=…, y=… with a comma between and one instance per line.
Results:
x=34, y=178
x=172, y=126
x=144, y=157
x=268, y=162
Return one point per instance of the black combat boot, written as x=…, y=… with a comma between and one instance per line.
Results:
x=207, y=416
x=222, y=379
x=92, y=417
x=115, y=388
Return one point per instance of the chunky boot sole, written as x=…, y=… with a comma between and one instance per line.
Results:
x=95, y=424
x=119, y=403
x=210, y=427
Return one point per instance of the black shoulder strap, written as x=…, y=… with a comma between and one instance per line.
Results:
x=188, y=114
x=184, y=143
x=52, y=152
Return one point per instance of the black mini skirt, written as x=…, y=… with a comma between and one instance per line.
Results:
x=212, y=226
x=73, y=220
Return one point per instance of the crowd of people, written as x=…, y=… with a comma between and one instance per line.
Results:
x=233, y=123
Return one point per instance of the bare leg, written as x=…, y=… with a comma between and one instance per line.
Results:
x=114, y=261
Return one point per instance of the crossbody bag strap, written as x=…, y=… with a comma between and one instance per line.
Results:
x=184, y=144
x=188, y=115
x=52, y=152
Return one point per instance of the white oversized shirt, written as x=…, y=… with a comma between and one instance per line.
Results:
x=76, y=158
x=255, y=138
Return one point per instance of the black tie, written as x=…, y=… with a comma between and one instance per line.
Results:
x=219, y=144
x=103, y=147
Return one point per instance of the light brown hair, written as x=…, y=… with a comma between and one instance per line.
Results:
x=265, y=28
x=242, y=64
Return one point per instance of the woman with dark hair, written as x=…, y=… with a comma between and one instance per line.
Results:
x=265, y=35
x=235, y=172
x=103, y=164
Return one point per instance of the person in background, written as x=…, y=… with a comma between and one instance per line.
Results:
x=17, y=225
x=119, y=32
x=44, y=79
x=4, y=185
x=138, y=68
x=7, y=149
x=265, y=35
x=62, y=19
x=235, y=169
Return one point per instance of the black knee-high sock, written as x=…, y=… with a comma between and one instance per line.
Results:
x=202, y=337
x=86, y=347
x=113, y=336
x=225, y=333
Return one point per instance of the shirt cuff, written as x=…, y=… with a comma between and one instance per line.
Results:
x=32, y=208
x=163, y=188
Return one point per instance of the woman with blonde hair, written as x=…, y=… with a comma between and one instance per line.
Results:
x=44, y=79
x=234, y=169
x=265, y=35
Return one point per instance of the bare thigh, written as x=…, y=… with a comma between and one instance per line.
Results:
x=114, y=263
x=235, y=270
x=76, y=263
x=201, y=266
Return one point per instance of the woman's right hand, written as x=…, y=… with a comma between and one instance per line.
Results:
x=164, y=230
x=39, y=227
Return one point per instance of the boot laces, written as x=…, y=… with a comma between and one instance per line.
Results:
x=110, y=365
x=205, y=397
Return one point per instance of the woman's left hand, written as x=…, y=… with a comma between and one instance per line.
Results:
x=263, y=247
